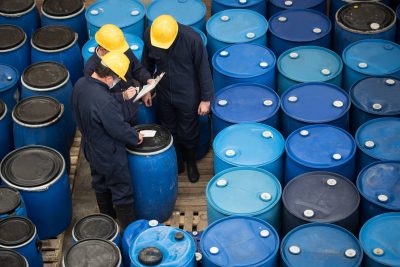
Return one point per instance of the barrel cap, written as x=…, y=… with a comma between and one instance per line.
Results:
x=380, y=237
x=3, y=108
x=238, y=3
x=93, y=252
x=32, y=166
x=95, y=226
x=186, y=12
x=301, y=25
x=150, y=256
x=45, y=75
x=384, y=133
x=11, y=258
x=9, y=77
x=15, y=6
x=11, y=36
x=37, y=110
x=53, y=37
x=293, y=4
x=15, y=231
x=237, y=26
x=307, y=245
x=156, y=138
x=61, y=8
x=10, y=199
x=239, y=241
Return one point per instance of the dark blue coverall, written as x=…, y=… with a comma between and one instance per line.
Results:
x=187, y=82
x=104, y=136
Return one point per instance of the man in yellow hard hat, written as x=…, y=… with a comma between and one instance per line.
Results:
x=186, y=90
x=105, y=134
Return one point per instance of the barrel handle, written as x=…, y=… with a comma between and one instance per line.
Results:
x=39, y=245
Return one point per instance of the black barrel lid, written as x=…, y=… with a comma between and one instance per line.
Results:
x=150, y=256
x=11, y=258
x=95, y=226
x=45, y=75
x=9, y=200
x=37, y=110
x=32, y=166
x=366, y=16
x=10, y=36
x=53, y=37
x=92, y=252
x=161, y=139
x=15, y=6
x=61, y=8
x=2, y=108
x=15, y=231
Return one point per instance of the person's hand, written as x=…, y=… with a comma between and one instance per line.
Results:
x=147, y=100
x=204, y=108
x=140, y=138
x=151, y=81
x=129, y=93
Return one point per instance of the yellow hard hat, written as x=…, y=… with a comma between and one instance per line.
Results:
x=117, y=62
x=111, y=38
x=163, y=31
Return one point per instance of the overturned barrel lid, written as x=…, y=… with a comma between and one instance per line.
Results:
x=15, y=6
x=61, y=8
x=95, y=226
x=53, y=37
x=93, y=252
x=10, y=199
x=37, y=110
x=15, y=231
x=156, y=138
x=3, y=108
x=11, y=36
x=11, y=258
x=45, y=75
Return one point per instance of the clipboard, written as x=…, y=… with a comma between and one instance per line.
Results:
x=149, y=87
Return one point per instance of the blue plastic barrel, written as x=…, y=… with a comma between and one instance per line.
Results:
x=249, y=145
x=246, y=191
x=373, y=98
x=12, y=258
x=320, y=147
x=93, y=252
x=308, y=64
x=19, y=234
x=163, y=246
x=187, y=12
x=39, y=173
x=131, y=233
x=358, y=21
x=370, y=57
x=378, y=139
x=6, y=137
x=11, y=203
x=298, y=27
x=245, y=102
x=15, y=49
x=9, y=92
x=276, y=6
x=314, y=103
x=323, y=197
x=259, y=6
x=318, y=244
x=234, y=26
x=59, y=44
x=335, y=5
x=202, y=35
x=240, y=241
x=380, y=240
x=22, y=13
x=126, y=14
x=154, y=173
x=203, y=144
x=243, y=63
x=134, y=42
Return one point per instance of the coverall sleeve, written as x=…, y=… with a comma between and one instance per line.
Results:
x=200, y=60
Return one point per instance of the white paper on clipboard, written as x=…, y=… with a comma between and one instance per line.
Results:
x=148, y=87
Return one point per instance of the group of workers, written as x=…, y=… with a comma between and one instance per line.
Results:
x=105, y=113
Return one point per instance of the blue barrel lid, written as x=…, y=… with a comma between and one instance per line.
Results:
x=245, y=102
x=284, y=4
x=300, y=25
x=187, y=12
x=244, y=60
x=320, y=146
x=239, y=241
x=377, y=95
x=122, y=13
x=380, y=238
x=202, y=35
x=380, y=138
x=379, y=183
x=236, y=26
x=170, y=247
x=310, y=64
x=315, y=102
x=373, y=57
x=318, y=244
x=244, y=191
x=9, y=77
x=238, y=3
x=249, y=144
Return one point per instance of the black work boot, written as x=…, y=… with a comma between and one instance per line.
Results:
x=104, y=201
x=179, y=158
x=192, y=171
x=125, y=215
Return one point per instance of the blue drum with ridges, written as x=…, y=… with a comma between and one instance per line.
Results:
x=6, y=137
x=259, y=6
x=11, y=203
x=276, y=6
x=9, y=92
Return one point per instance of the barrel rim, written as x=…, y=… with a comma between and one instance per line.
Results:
x=63, y=17
x=12, y=84
x=19, y=202
x=26, y=242
x=63, y=83
x=112, y=238
x=22, y=43
x=74, y=42
x=317, y=3
x=16, y=253
x=21, y=13
x=151, y=153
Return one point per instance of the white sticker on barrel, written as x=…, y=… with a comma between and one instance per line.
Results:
x=148, y=133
